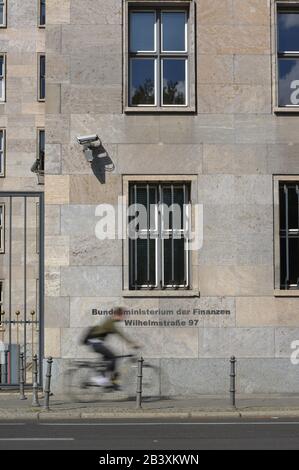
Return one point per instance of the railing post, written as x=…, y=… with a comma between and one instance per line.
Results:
x=22, y=377
x=48, y=384
x=139, y=383
x=6, y=368
x=35, y=401
x=233, y=381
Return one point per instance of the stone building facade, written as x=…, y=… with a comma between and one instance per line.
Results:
x=234, y=143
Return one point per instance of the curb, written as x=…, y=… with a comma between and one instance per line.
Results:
x=42, y=416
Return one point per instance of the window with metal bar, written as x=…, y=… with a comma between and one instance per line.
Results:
x=42, y=78
x=2, y=13
x=1, y=307
x=288, y=55
x=158, y=57
x=42, y=13
x=2, y=227
x=2, y=76
x=159, y=228
x=2, y=151
x=289, y=234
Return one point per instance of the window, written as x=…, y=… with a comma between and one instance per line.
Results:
x=159, y=227
x=289, y=234
x=2, y=13
x=41, y=150
x=2, y=226
x=2, y=151
x=288, y=56
x=2, y=76
x=42, y=78
x=1, y=307
x=158, y=58
x=42, y=13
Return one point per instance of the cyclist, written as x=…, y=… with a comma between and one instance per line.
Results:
x=96, y=337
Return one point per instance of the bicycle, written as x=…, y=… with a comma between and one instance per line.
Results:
x=81, y=388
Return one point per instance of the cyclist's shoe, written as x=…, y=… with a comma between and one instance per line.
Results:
x=101, y=382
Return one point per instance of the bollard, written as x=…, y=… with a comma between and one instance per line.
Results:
x=6, y=368
x=233, y=381
x=139, y=383
x=35, y=401
x=22, y=377
x=48, y=384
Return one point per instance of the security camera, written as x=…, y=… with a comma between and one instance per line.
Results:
x=89, y=143
x=89, y=139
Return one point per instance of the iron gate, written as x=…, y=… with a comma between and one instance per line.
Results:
x=21, y=283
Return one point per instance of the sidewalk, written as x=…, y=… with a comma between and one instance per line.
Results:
x=113, y=407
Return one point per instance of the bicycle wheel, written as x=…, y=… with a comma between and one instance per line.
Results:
x=79, y=385
x=150, y=379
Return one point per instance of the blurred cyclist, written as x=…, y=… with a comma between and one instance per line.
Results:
x=96, y=337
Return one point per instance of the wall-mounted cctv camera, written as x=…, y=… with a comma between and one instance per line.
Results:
x=89, y=140
x=89, y=143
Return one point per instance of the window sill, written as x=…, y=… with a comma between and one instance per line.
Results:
x=286, y=110
x=286, y=293
x=154, y=110
x=161, y=293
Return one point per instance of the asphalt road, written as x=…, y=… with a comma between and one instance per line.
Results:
x=151, y=435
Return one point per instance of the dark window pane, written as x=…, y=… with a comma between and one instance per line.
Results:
x=282, y=207
x=174, y=82
x=42, y=12
x=174, y=260
x=294, y=260
x=143, y=266
x=1, y=66
x=283, y=270
x=1, y=14
x=142, y=31
x=288, y=31
x=41, y=150
x=173, y=24
x=42, y=72
x=293, y=207
x=288, y=81
x=142, y=90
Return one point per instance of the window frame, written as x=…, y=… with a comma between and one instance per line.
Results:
x=39, y=23
x=160, y=234
x=2, y=228
x=3, y=78
x=40, y=77
x=186, y=6
x=278, y=290
x=4, y=24
x=193, y=279
x=3, y=152
x=290, y=6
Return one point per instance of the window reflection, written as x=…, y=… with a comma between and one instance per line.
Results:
x=142, y=82
x=174, y=82
x=288, y=81
x=288, y=31
x=142, y=31
x=173, y=24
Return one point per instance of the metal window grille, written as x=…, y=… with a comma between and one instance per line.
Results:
x=289, y=234
x=2, y=77
x=2, y=151
x=159, y=55
x=158, y=241
x=2, y=227
x=42, y=77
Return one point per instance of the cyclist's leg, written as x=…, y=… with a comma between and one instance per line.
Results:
x=110, y=360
